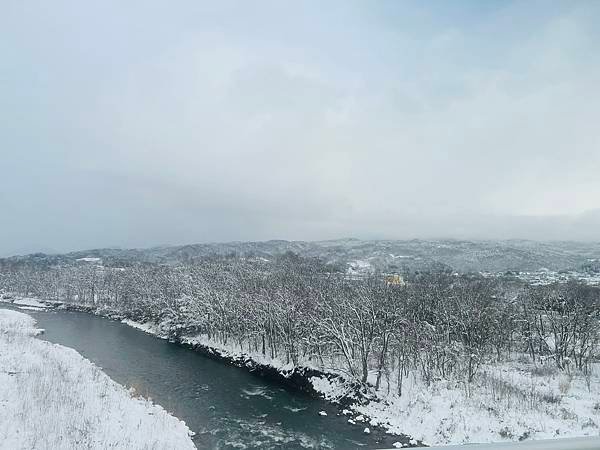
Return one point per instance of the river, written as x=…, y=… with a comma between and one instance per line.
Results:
x=227, y=407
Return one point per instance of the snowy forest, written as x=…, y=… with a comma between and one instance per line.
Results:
x=302, y=311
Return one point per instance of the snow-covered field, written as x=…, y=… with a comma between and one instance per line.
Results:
x=511, y=401
x=53, y=398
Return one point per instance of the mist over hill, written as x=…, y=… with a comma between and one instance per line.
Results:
x=371, y=255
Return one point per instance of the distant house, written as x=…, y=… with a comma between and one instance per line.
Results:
x=90, y=260
x=395, y=280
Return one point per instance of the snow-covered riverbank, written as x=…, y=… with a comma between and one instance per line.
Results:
x=52, y=397
x=511, y=401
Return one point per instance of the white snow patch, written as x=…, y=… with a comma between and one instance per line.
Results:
x=359, y=267
x=331, y=390
x=31, y=308
x=149, y=327
x=30, y=302
x=89, y=259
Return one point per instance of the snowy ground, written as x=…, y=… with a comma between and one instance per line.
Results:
x=508, y=402
x=30, y=303
x=53, y=398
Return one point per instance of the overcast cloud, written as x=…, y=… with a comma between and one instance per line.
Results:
x=154, y=122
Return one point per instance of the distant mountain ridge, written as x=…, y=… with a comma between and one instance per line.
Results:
x=380, y=255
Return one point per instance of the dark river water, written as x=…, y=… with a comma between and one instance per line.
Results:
x=227, y=407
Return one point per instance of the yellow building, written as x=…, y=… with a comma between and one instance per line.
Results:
x=395, y=280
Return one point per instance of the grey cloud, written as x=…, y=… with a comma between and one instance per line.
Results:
x=140, y=125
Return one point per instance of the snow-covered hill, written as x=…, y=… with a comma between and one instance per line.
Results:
x=381, y=255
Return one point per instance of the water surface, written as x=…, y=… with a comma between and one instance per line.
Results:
x=226, y=406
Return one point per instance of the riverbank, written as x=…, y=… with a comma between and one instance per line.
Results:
x=510, y=401
x=52, y=397
x=309, y=380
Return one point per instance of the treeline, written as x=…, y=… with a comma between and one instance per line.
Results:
x=300, y=310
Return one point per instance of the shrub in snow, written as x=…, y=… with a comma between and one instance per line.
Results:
x=564, y=384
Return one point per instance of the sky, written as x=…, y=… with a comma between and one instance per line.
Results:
x=144, y=123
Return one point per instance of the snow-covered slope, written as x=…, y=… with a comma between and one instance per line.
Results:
x=382, y=255
x=53, y=398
